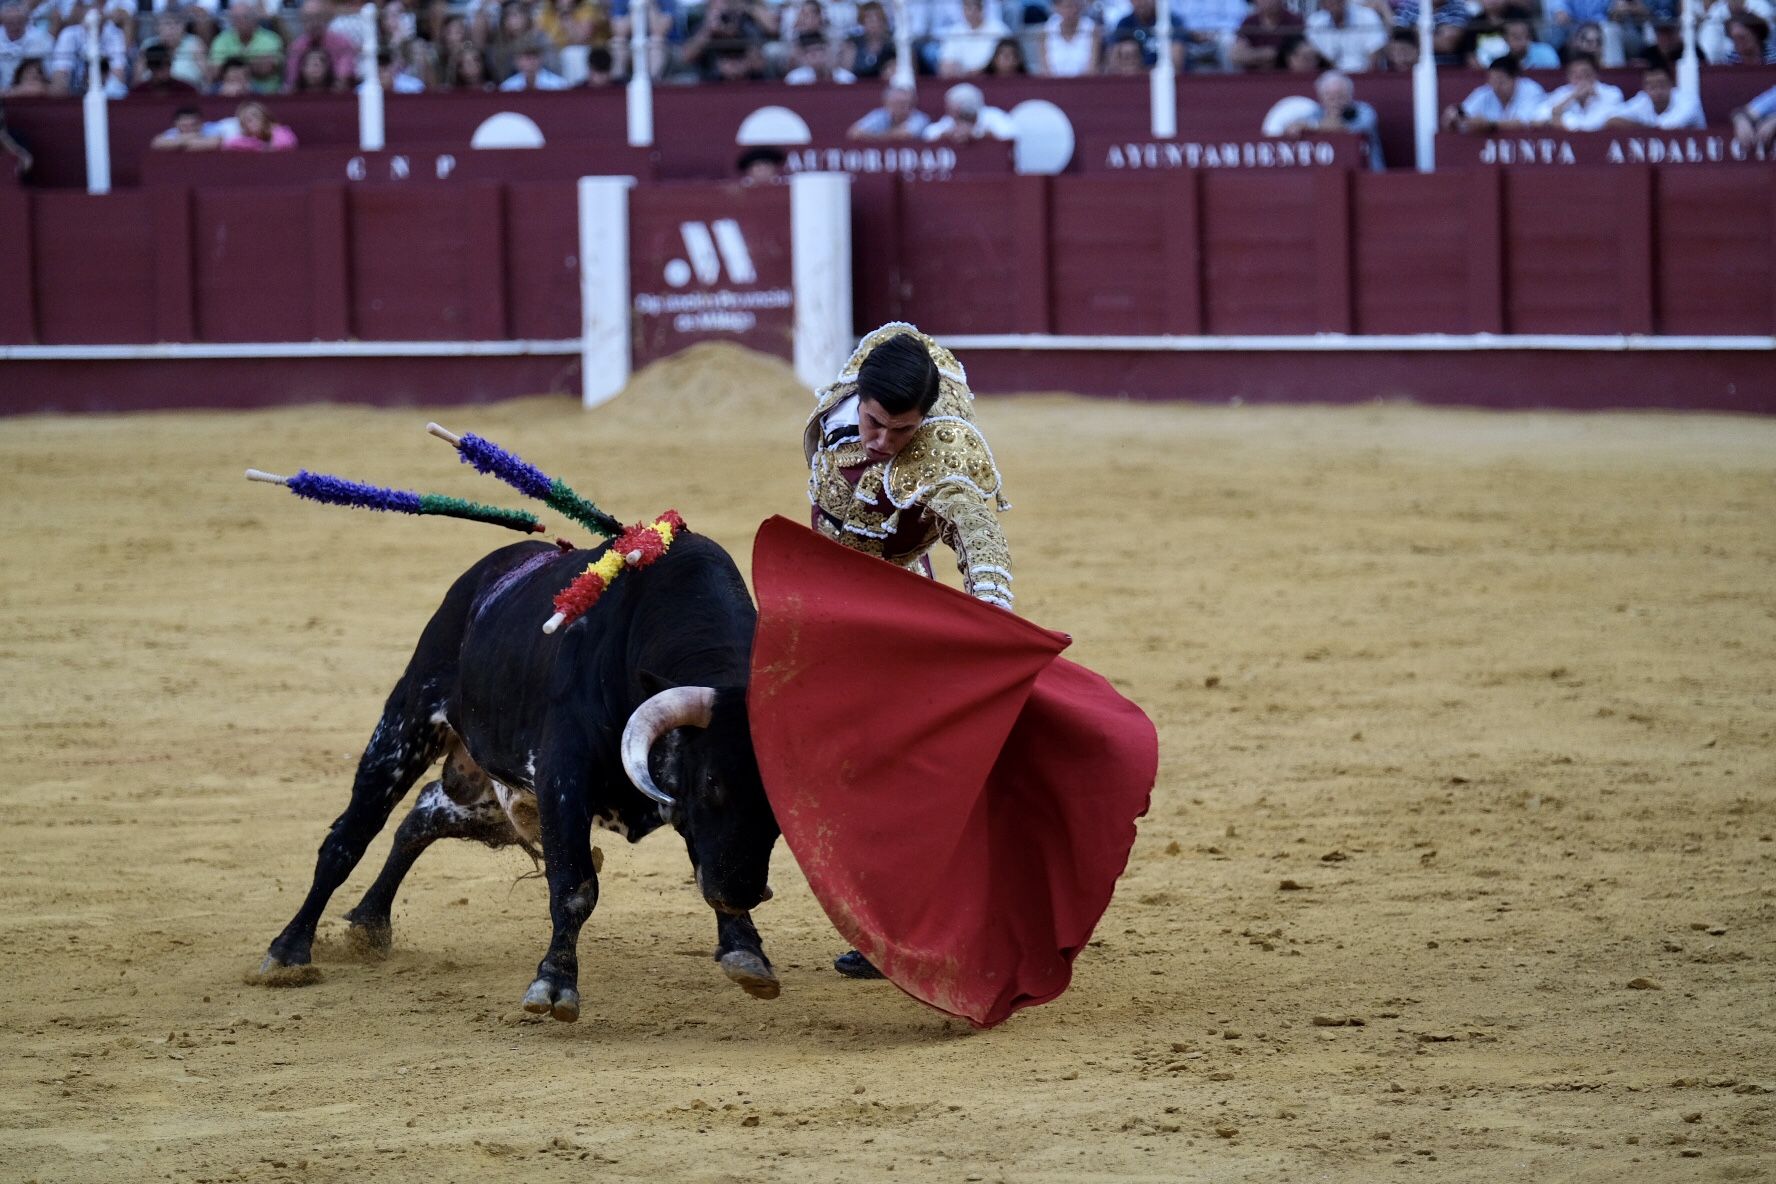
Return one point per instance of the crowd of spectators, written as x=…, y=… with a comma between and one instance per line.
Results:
x=209, y=46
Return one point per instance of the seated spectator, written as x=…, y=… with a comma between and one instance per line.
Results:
x=1337, y=110
x=1069, y=46
x=189, y=133
x=467, y=69
x=190, y=55
x=1297, y=55
x=1124, y=57
x=1007, y=60
x=729, y=44
x=1401, y=53
x=574, y=22
x=155, y=73
x=1659, y=104
x=1349, y=36
x=396, y=80
x=258, y=46
x=257, y=132
x=1508, y=100
x=1264, y=32
x=813, y=62
x=1516, y=37
x=30, y=81
x=314, y=73
x=967, y=45
x=1449, y=28
x=896, y=119
x=807, y=16
x=1207, y=30
x=967, y=118
x=318, y=34
x=529, y=73
x=1711, y=34
x=19, y=39
x=516, y=27
x=233, y=81
x=761, y=165
x=67, y=61
x=869, y=52
x=1586, y=41
x=1754, y=125
x=1584, y=103
x=1750, y=42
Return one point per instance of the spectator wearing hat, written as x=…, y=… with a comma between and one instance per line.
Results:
x=528, y=72
x=1659, y=104
x=1507, y=100
x=967, y=117
x=896, y=119
x=813, y=62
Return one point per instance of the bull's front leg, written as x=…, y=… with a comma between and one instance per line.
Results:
x=742, y=955
x=573, y=894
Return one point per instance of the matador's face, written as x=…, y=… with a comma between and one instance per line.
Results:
x=882, y=434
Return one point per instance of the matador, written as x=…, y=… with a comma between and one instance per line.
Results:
x=896, y=462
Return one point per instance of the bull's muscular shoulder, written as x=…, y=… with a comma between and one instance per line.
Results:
x=945, y=450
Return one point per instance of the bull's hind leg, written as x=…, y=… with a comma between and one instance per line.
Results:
x=460, y=805
x=741, y=954
x=407, y=740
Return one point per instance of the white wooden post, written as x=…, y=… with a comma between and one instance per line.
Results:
x=370, y=123
x=903, y=46
x=1424, y=92
x=98, y=118
x=820, y=262
x=641, y=76
x=1164, y=80
x=605, y=353
x=1689, y=66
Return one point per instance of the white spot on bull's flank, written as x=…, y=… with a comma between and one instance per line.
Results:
x=437, y=717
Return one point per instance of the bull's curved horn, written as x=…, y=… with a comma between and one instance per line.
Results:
x=675, y=707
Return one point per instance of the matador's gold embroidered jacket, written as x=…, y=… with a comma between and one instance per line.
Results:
x=942, y=485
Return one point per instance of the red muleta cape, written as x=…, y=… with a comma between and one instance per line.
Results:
x=961, y=799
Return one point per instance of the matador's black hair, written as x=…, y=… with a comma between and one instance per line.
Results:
x=900, y=375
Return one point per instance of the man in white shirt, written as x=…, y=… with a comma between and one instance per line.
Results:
x=968, y=44
x=1508, y=100
x=67, y=61
x=1583, y=104
x=1349, y=36
x=1659, y=104
x=19, y=39
x=967, y=117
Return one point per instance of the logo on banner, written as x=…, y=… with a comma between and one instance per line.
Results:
x=714, y=252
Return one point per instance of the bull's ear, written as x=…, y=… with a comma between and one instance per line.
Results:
x=652, y=684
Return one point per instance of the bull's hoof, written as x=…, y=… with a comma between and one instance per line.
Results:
x=273, y=972
x=545, y=998
x=752, y=972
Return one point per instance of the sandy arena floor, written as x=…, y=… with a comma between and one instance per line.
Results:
x=1460, y=865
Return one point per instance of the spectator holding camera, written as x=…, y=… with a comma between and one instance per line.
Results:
x=1336, y=109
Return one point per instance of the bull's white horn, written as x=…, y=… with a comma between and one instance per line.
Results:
x=675, y=707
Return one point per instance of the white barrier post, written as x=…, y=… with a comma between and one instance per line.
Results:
x=370, y=124
x=1424, y=92
x=641, y=76
x=98, y=118
x=1689, y=66
x=820, y=262
x=1164, y=80
x=903, y=46
x=605, y=357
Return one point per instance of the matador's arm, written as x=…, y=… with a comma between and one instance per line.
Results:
x=969, y=526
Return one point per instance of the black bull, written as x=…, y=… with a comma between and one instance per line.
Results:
x=535, y=730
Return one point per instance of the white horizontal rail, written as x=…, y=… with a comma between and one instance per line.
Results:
x=1355, y=343
x=197, y=351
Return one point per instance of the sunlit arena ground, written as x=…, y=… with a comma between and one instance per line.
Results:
x=1459, y=866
